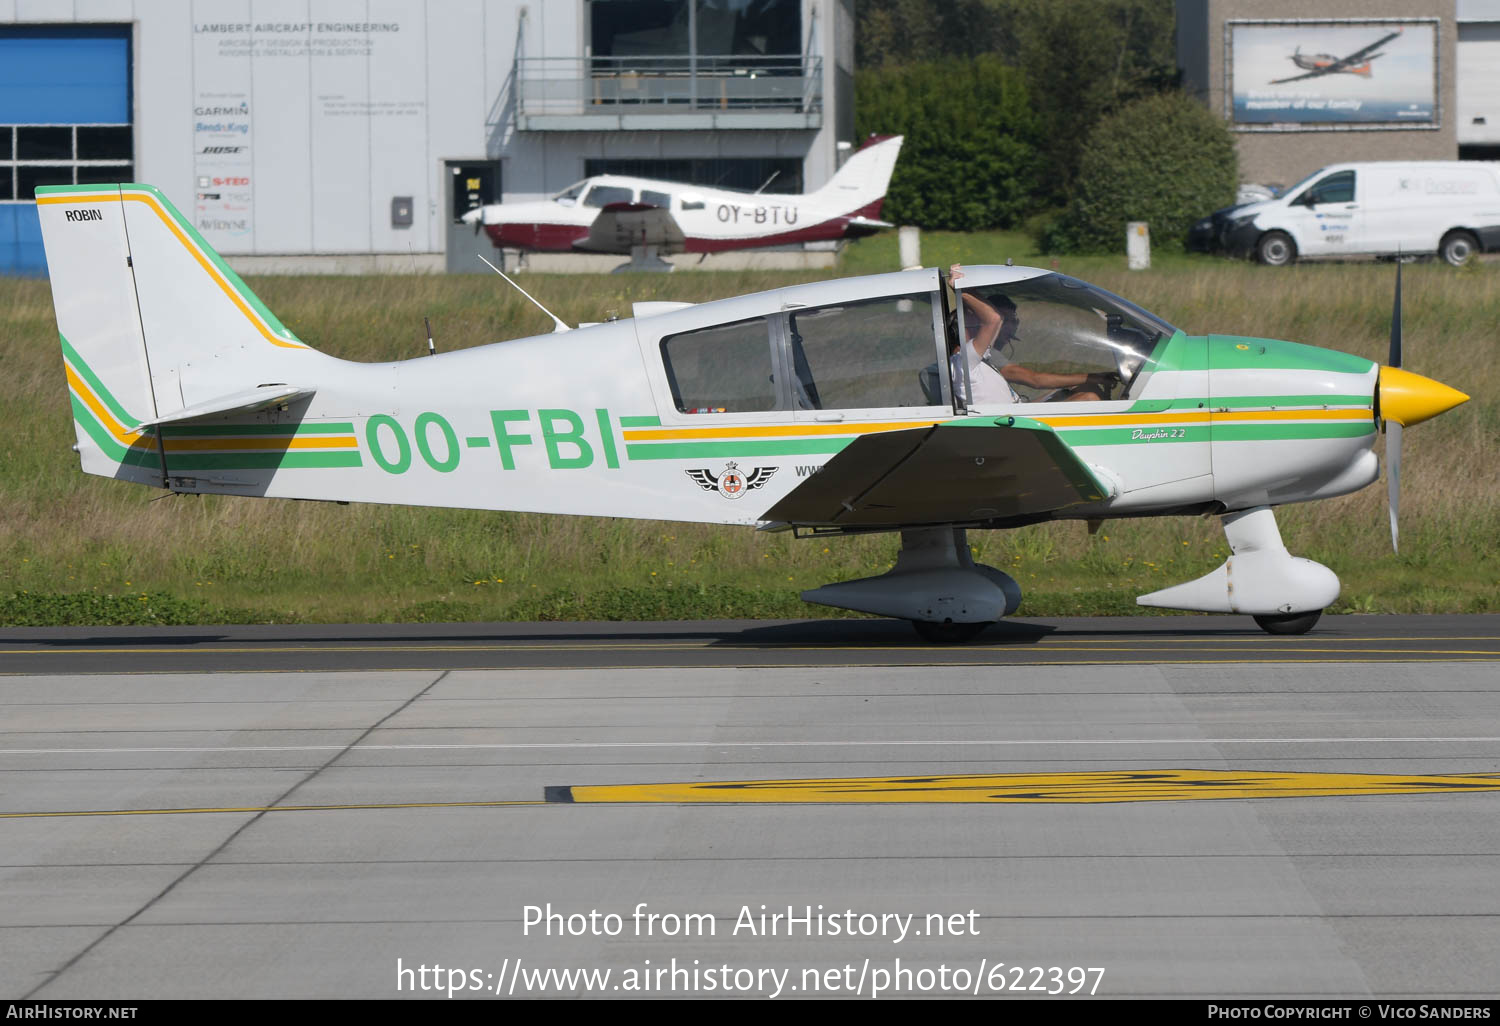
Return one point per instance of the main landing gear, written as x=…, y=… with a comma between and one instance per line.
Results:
x=935, y=584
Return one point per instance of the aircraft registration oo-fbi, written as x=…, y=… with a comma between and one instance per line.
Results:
x=826, y=408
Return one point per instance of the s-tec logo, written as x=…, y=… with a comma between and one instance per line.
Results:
x=90, y=214
x=221, y=149
x=231, y=181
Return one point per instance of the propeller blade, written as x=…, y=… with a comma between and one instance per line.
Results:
x=1393, y=476
x=1395, y=355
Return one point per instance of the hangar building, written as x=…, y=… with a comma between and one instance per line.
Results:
x=348, y=135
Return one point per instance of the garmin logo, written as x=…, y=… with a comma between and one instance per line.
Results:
x=84, y=215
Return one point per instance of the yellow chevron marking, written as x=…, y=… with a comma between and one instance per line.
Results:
x=204, y=262
x=1036, y=788
x=121, y=434
x=270, y=443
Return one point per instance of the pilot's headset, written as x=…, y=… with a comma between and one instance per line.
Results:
x=1001, y=354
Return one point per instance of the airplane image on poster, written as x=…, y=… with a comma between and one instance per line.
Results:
x=1356, y=63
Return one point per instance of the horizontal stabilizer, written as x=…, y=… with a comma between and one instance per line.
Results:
x=250, y=401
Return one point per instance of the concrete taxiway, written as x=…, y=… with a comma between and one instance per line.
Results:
x=1195, y=810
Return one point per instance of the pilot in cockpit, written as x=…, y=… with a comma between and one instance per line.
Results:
x=989, y=328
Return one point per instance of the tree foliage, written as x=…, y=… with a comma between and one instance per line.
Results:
x=971, y=157
x=1166, y=160
x=1079, y=59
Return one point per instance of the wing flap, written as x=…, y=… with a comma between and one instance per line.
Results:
x=620, y=226
x=951, y=473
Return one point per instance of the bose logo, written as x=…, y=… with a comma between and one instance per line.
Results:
x=84, y=215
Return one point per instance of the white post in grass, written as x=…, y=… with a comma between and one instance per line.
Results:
x=1138, y=246
x=911, y=248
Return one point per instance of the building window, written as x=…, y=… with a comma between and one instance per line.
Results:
x=747, y=174
x=705, y=28
x=33, y=155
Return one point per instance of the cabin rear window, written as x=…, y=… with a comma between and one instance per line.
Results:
x=723, y=369
x=869, y=353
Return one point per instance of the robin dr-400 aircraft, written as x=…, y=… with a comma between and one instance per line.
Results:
x=823, y=408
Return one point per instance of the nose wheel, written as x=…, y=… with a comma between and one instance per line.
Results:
x=1290, y=623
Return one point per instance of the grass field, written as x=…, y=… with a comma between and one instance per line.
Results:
x=80, y=549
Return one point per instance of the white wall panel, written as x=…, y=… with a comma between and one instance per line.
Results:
x=164, y=101
x=282, y=172
x=104, y=10
x=397, y=116
x=1478, y=83
x=340, y=128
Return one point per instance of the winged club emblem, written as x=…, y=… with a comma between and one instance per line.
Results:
x=731, y=482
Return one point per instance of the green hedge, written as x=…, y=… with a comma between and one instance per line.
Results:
x=970, y=159
x=1166, y=160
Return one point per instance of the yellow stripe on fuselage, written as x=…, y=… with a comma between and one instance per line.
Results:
x=204, y=262
x=1202, y=417
x=271, y=443
x=771, y=430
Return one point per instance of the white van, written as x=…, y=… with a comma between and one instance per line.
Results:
x=1450, y=207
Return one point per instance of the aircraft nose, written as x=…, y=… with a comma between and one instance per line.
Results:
x=1408, y=398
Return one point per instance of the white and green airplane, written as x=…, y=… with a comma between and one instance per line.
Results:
x=826, y=408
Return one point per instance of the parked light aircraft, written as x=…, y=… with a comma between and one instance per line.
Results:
x=1319, y=64
x=617, y=213
x=825, y=408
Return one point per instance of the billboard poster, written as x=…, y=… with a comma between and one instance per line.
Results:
x=1325, y=75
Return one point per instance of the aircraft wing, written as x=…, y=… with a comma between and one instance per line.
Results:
x=983, y=469
x=620, y=226
x=1359, y=54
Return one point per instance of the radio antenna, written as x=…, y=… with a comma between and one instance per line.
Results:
x=555, y=319
x=431, y=349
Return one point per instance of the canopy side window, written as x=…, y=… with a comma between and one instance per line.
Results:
x=1336, y=188
x=721, y=369
x=657, y=199
x=603, y=195
x=876, y=353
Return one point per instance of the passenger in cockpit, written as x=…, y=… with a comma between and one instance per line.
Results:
x=996, y=328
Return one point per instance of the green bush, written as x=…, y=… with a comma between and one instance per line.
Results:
x=970, y=159
x=1166, y=160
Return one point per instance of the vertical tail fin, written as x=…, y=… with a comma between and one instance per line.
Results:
x=860, y=185
x=154, y=324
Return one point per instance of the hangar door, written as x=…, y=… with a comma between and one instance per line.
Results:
x=64, y=120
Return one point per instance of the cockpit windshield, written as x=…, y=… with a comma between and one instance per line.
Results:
x=1061, y=325
x=571, y=193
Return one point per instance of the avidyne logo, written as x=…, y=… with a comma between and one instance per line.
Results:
x=91, y=214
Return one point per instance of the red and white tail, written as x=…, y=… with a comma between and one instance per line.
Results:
x=860, y=185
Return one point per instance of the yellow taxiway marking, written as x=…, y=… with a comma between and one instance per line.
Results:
x=977, y=788
x=1033, y=788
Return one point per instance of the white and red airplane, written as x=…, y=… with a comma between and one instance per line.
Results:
x=619, y=213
